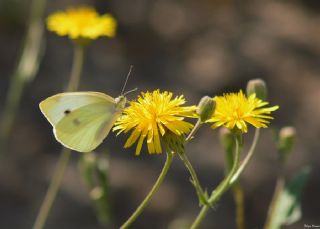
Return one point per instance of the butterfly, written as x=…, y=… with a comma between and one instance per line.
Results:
x=82, y=120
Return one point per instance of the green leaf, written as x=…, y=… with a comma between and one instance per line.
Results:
x=287, y=208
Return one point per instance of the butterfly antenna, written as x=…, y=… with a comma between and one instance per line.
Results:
x=127, y=92
x=125, y=83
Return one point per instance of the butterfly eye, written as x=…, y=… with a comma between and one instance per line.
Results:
x=66, y=112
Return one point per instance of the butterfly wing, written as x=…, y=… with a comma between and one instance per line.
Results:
x=81, y=120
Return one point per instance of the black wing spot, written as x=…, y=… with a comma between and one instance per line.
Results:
x=66, y=112
x=76, y=122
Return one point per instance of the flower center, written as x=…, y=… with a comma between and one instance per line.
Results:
x=237, y=114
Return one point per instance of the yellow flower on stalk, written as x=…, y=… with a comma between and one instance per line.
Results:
x=153, y=115
x=235, y=110
x=82, y=23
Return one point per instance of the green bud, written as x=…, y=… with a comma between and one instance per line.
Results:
x=259, y=87
x=206, y=108
x=102, y=205
x=103, y=165
x=96, y=193
x=286, y=140
x=87, y=167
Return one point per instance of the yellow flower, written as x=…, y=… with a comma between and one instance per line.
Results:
x=82, y=23
x=153, y=115
x=235, y=110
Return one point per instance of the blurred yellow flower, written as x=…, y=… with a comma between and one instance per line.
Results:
x=235, y=110
x=153, y=115
x=82, y=23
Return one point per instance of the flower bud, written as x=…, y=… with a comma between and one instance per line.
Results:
x=96, y=193
x=206, y=108
x=87, y=167
x=259, y=87
x=286, y=140
x=101, y=199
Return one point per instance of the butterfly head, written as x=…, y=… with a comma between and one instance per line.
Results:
x=121, y=102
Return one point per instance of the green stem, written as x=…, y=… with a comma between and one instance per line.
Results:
x=239, y=201
x=221, y=189
x=183, y=156
x=195, y=181
x=248, y=157
x=78, y=57
x=154, y=189
x=25, y=71
x=194, y=130
x=278, y=189
x=237, y=190
x=53, y=189
x=10, y=110
x=65, y=154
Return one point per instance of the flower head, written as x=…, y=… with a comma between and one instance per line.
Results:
x=82, y=23
x=235, y=110
x=153, y=115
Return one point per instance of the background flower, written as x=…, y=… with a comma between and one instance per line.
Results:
x=82, y=22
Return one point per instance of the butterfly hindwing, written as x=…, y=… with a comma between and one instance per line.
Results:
x=85, y=128
x=81, y=120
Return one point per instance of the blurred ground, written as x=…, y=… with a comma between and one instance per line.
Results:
x=194, y=48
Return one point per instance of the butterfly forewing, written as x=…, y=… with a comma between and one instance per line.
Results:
x=56, y=107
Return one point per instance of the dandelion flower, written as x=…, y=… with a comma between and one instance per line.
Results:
x=153, y=115
x=82, y=23
x=235, y=110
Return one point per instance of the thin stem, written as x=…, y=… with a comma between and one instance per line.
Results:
x=10, y=111
x=237, y=190
x=239, y=201
x=194, y=130
x=154, y=189
x=278, y=189
x=221, y=189
x=26, y=69
x=53, y=188
x=76, y=68
x=215, y=196
x=65, y=154
x=248, y=157
x=195, y=181
x=183, y=156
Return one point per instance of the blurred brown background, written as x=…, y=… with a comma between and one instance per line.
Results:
x=194, y=48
